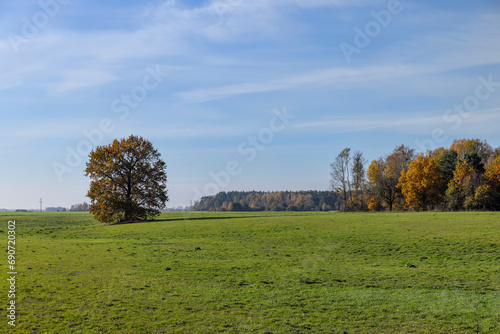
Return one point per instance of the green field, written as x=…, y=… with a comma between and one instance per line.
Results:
x=256, y=273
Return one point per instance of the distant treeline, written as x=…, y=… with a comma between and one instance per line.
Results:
x=269, y=201
x=81, y=207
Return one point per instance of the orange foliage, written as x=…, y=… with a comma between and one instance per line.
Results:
x=421, y=185
x=374, y=204
x=492, y=173
x=128, y=181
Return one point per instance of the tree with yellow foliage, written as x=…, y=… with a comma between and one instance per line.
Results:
x=468, y=146
x=422, y=184
x=487, y=195
x=383, y=179
x=486, y=198
x=492, y=174
x=462, y=186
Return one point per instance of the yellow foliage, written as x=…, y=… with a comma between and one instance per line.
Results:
x=388, y=171
x=486, y=198
x=421, y=185
x=492, y=174
x=374, y=172
x=462, y=176
x=373, y=204
x=465, y=146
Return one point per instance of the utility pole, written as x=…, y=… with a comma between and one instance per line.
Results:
x=40, y=205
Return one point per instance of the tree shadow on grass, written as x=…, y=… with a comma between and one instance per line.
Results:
x=201, y=218
x=180, y=218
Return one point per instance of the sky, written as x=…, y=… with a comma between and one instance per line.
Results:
x=237, y=95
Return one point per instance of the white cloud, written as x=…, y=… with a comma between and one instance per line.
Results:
x=33, y=131
x=481, y=121
x=338, y=3
x=366, y=122
x=421, y=63
x=82, y=79
x=337, y=76
x=171, y=29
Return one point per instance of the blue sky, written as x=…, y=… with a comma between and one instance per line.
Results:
x=205, y=81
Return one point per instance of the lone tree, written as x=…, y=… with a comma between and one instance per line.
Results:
x=340, y=175
x=128, y=181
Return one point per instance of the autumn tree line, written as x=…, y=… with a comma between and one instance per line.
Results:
x=128, y=183
x=269, y=201
x=465, y=176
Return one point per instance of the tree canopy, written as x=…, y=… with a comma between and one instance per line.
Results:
x=422, y=184
x=128, y=181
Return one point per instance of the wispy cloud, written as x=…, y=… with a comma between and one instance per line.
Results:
x=485, y=121
x=82, y=79
x=338, y=3
x=342, y=124
x=474, y=46
x=336, y=75
x=173, y=30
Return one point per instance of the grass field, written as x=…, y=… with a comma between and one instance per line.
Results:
x=256, y=273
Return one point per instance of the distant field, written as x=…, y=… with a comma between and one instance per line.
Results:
x=256, y=273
